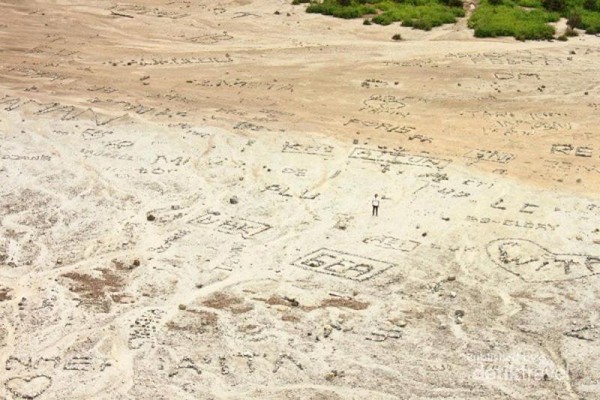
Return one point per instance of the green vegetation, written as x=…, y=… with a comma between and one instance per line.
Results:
x=528, y=19
x=341, y=8
x=508, y=19
x=522, y=19
x=420, y=14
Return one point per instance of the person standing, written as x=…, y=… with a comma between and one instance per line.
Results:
x=375, y=204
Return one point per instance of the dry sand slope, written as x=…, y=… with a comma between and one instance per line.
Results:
x=127, y=271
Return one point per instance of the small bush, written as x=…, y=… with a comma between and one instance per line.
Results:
x=397, y=36
x=529, y=3
x=570, y=32
x=591, y=5
x=452, y=3
x=590, y=21
x=554, y=5
x=367, y=22
x=574, y=20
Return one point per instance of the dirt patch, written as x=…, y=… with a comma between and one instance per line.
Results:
x=5, y=294
x=99, y=292
x=344, y=303
x=194, y=321
x=94, y=291
x=290, y=318
x=226, y=301
x=122, y=298
x=276, y=300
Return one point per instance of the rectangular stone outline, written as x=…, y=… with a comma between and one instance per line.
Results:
x=265, y=227
x=398, y=157
x=297, y=263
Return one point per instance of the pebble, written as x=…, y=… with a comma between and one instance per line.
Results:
x=401, y=323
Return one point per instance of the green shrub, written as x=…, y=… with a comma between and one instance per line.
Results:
x=554, y=5
x=570, y=32
x=590, y=21
x=574, y=20
x=397, y=36
x=522, y=19
x=591, y=5
x=420, y=14
x=452, y=3
x=529, y=3
x=489, y=21
x=334, y=8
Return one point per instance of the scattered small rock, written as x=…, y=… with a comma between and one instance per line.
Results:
x=234, y=200
x=293, y=302
x=334, y=374
x=150, y=217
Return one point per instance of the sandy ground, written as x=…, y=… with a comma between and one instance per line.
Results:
x=185, y=207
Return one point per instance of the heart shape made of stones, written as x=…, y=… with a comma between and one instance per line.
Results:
x=28, y=387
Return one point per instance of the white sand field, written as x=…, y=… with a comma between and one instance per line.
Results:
x=185, y=207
